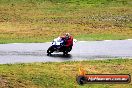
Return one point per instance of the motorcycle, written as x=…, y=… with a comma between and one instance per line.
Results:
x=58, y=45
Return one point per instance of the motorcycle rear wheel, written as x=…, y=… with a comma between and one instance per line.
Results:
x=65, y=53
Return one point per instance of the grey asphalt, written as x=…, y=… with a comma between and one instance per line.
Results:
x=82, y=50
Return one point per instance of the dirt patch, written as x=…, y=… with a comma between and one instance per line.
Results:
x=3, y=82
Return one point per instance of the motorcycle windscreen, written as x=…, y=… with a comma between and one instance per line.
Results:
x=56, y=43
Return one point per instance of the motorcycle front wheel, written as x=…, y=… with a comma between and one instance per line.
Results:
x=50, y=50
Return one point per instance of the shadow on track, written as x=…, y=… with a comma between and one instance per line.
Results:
x=69, y=56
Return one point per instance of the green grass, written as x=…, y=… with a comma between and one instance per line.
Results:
x=43, y=20
x=61, y=74
x=101, y=37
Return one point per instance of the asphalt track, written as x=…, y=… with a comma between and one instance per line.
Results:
x=82, y=50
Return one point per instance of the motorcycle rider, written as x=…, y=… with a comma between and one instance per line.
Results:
x=62, y=44
x=68, y=41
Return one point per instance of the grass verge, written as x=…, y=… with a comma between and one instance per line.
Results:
x=61, y=74
x=43, y=20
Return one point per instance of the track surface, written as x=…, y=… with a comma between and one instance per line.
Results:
x=83, y=50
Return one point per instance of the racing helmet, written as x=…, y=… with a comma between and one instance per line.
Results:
x=67, y=35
